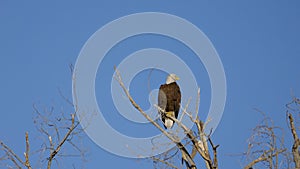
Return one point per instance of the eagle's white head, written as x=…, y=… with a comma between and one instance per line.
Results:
x=172, y=78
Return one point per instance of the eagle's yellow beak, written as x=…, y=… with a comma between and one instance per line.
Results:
x=177, y=78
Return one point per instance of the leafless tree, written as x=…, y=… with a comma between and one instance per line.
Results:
x=196, y=142
x=266, y=147
x=60, y=137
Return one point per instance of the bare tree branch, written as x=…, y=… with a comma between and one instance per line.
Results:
x=67, y=135
x=215, y=160
x=13, y=160
x=164, y=162
x=263, y=157
x=27, y=163
x=296, y=144
x=12, y=156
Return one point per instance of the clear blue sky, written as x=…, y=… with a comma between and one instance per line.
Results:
x=258, y=43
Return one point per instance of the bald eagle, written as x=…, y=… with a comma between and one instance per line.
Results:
x=169, y=98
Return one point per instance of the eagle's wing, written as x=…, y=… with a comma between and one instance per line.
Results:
x=162, y=99
x=177, y=99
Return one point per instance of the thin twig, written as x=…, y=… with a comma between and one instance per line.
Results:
x=11, y=153
x=164, y=162
x=13, y=160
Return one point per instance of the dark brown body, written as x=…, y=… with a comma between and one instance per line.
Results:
x=169, y=98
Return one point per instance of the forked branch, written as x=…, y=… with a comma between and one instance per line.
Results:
x=54, y=152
